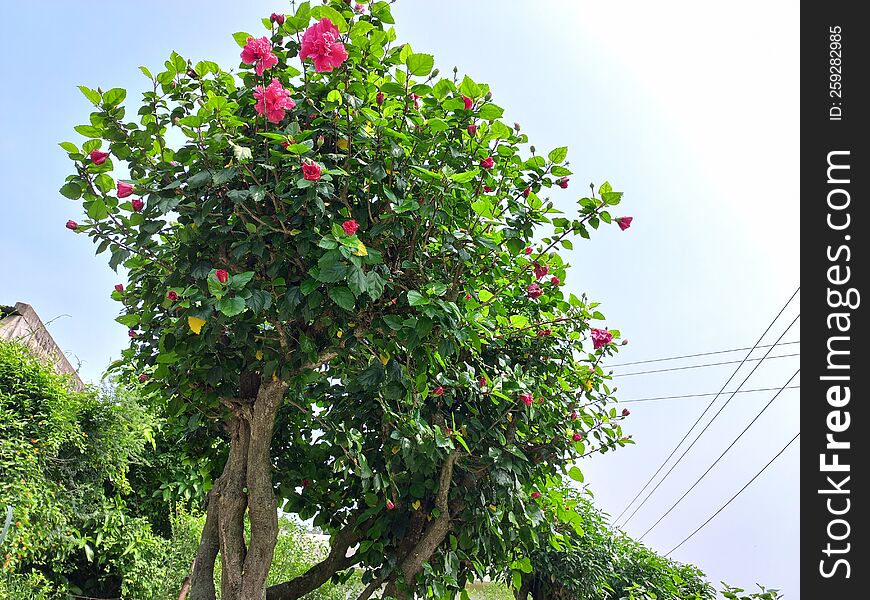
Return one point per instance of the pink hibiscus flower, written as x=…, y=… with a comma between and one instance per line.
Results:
x=320, y=43
x=258, y=52
x=272, y=101
x=600, y=338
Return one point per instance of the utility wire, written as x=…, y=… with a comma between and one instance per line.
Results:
x=710, y=468
x=652, y=360
x=706, y=427
x=770, y=389
x=758, y=341
x=729, y=362
x=748, y=483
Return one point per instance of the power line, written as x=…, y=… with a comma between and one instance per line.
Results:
x=706, y=427
x=710, y=468
x=729, y=362
x=661, y=466
x=652, y=360
x=748, y=483
x=770, y=389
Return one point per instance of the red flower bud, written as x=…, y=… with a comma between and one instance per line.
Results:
x=380, y=98
x=132, y=333
x=545, y=332
x=359, y=8
x=222, y=275
x=137, y=205
x=528, y=250
x=487, y=163
x=573, y=415
x=390, y=505
x=276, y=18
x=98, y=157
x=468, y=296
x=468, y=102
x=172, y=296
x=471, y=129
x=527, y=399
x=143, y=377
x=119, y=287
x=285, y=144
x=124, y=189
x=555, y=280
x=487, y=189
x=72, y=225
x=526, y=192
x=624, y=222
x=438, y=391
x=541, y=270
x=306, y=483
x=350, y=227
x=625, y=412
x=577, y=437
x=536, y=495
x=482, y=381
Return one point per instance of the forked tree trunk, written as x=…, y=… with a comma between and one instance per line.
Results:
x=245, y=486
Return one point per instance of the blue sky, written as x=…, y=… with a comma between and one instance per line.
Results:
x=689, y=108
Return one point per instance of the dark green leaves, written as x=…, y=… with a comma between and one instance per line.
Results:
x=342, y=296
x=231, y=306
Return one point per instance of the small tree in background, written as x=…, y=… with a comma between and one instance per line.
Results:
x=352, y=266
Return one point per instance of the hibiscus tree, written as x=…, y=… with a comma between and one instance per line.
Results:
x=311, y=261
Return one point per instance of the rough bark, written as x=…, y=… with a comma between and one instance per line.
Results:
x=231, y=521
x=202, y=573
x=262, y=508
x=434, y=534
x=313, y=578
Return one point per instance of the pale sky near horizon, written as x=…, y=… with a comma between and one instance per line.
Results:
x=690, y=108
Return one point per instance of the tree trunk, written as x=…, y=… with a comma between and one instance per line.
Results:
x=231, y=516
x=202, y=573
x=262, y=508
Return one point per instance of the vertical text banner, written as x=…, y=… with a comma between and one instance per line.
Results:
x=835, y=426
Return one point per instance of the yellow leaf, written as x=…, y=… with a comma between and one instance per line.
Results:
x=274, y=377
x=493, y=507
x=589, y=385
x=395, y=450
x=385, y=358
x=195, y=324
x=416, y=505
x=361, y=250
x=342, y=144
x=338, y=333
x=510, y=417
x=259, y=355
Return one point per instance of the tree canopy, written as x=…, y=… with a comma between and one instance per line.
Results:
x=351, y=266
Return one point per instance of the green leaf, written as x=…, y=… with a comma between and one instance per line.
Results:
x=71, y=190
x=415, y=298
x=333, y=15
x=343, y=297
x=97, y=210
x=519, y=320
x=485, y=295
x=128, y=320
x=516, y=579
x=114, y=97
x=356, y=281
x=104, y=183
x=466, y=176
x=334, y=96
x=420, y=64
x=374, y=285
x=332, y=272
x=231, y=306
x=490, y=112
x=198, y=179
x=89, y=131
x=557, y=155
x=241, y=38
x=92, y=95
x=575, y=474
x=469, y=88
x=239, y=281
